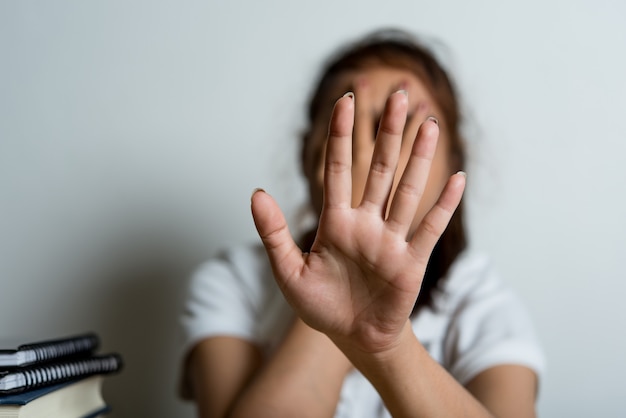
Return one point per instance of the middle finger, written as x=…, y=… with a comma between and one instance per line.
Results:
x=386, y=154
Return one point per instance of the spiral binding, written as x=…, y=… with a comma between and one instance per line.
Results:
x=69, y=370
x=46, y=374
x=60, y=348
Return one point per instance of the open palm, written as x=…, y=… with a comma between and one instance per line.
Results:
x=362, y=276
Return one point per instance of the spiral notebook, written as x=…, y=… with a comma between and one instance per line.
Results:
x=31, y=377
x=42, y=351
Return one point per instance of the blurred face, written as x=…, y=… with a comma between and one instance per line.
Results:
x=372, y=86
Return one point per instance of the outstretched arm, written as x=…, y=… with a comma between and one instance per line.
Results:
x=362, y=276
x=231, y=378
x=303, y=378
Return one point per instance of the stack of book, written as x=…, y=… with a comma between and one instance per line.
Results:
x=60, y=378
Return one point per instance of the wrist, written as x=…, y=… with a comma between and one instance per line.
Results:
x=378, y=360
x=319, y=347
x=411, y=383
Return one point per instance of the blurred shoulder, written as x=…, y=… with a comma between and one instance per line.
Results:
x=471, y=275
x=243, y=264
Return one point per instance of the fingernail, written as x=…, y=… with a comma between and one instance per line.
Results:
x=406, y=93
x=462, y=173
x=349, y=94
x=433, y=119
x=258, y=189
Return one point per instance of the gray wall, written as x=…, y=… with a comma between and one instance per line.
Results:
x=132, y=133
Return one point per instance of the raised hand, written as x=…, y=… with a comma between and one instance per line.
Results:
x=362, y=276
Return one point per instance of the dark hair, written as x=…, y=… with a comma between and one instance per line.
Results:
x=399, y=49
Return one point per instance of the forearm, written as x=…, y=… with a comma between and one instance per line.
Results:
x=303, y=378
x=413, y=384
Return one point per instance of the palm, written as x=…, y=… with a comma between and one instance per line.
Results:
x=359, y=278
x=362, y=276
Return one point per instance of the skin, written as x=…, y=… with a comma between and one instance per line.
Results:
x=372, y=88
x=387, y=198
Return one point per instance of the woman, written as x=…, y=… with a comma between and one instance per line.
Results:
x=385, y=313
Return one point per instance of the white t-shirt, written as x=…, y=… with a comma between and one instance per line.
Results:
x=476, y=322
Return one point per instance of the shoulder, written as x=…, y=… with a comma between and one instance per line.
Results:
x=488, y=324
x=471, y=275
x=226, y=294
x=473, y=284
x=235, y=294
x=243, y=267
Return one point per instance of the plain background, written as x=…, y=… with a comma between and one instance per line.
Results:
x=133, y=132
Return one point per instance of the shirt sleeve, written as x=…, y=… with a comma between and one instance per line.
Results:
x=490, y=327
x=220, y=300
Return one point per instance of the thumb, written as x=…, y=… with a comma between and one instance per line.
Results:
x=284, y=255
